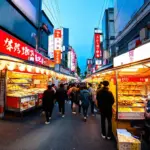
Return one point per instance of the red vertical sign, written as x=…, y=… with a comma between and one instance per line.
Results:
x=97, y=45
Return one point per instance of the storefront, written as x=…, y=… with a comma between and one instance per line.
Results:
x=24, y=75
x=130, y=83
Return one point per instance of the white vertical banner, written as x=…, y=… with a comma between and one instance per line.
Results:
x=58, y=39
x=51, y=46
x=69, y=59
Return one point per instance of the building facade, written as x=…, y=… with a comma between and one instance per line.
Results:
x=108, y=32
x=131, y=29
x=26, y=21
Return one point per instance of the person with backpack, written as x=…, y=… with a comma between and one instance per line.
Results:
x=61, y=96
x=85, y=100
x=105, y=100
x=48, y=103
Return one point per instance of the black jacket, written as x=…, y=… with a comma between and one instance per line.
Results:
x=61, y=94
x=105, y=100
x=48, y=99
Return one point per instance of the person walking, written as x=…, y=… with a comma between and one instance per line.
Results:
x=61, y=96
x=91, y=91
x=72, y=95
x=48, y=103
x=85, y=100
x=78, y=101
x=105, y=100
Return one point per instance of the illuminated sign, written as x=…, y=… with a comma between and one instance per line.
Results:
x=138, y=54
x=13, y=47
x=51, y=46
x=97, y=45
x=57, y=56
x=58, y=39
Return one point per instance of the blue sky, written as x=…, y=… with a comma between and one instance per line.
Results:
x=81, y=17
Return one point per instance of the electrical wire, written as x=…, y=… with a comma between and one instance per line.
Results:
x=49, y=12
x=56, y=2
x=54, y=11
x=103, y=8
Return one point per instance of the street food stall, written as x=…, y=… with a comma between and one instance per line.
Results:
x=130, y=84
x=24, y=75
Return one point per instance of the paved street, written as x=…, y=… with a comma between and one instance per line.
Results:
x=69, y=133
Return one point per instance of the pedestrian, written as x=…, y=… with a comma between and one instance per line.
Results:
x=85, y=100
x=48, y=103
x=91, y=90
x=71, y=94
x=78, y=100
x=61, y=96
x=54, y=88
x=105, y=100
x=100, y=86
x=73, y=97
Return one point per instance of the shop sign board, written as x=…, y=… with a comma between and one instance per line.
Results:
x=89, y=61
x=13, y=47
x=138, y=54
x=133, y=79
x=98, y=62
x=131, y=115
x=63, y=70
x=49, y=63
x=97, y=45
x=57, y=56
x=39, y=59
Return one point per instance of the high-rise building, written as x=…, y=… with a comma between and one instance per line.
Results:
x=108, y=32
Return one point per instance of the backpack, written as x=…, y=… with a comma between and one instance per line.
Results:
x=85, y=96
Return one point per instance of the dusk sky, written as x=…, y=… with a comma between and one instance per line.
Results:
x=81, y=17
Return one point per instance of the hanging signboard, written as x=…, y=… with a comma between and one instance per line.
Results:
x=57, y=56
x=58, y=39
x=97, y=45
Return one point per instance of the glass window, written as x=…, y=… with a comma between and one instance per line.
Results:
x=111, y=29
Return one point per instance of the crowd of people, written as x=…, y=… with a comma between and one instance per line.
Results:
x=81, y=97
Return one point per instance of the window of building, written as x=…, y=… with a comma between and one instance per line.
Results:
x=111, y=29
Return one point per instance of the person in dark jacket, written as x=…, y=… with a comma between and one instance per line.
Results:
x=85, y=100
x=105, y=101
x=91, y=91
x=61, y=96
x=48, y=103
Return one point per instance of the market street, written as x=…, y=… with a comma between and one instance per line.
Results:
x=69, y=133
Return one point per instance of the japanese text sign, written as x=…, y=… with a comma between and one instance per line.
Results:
x=133, y=79
x=57, y=56
x=39, y=59
x=58, y=39
x=57, y=33
x=97, y=45
x=12, y=46
x=48, y=63
x=138, y=54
